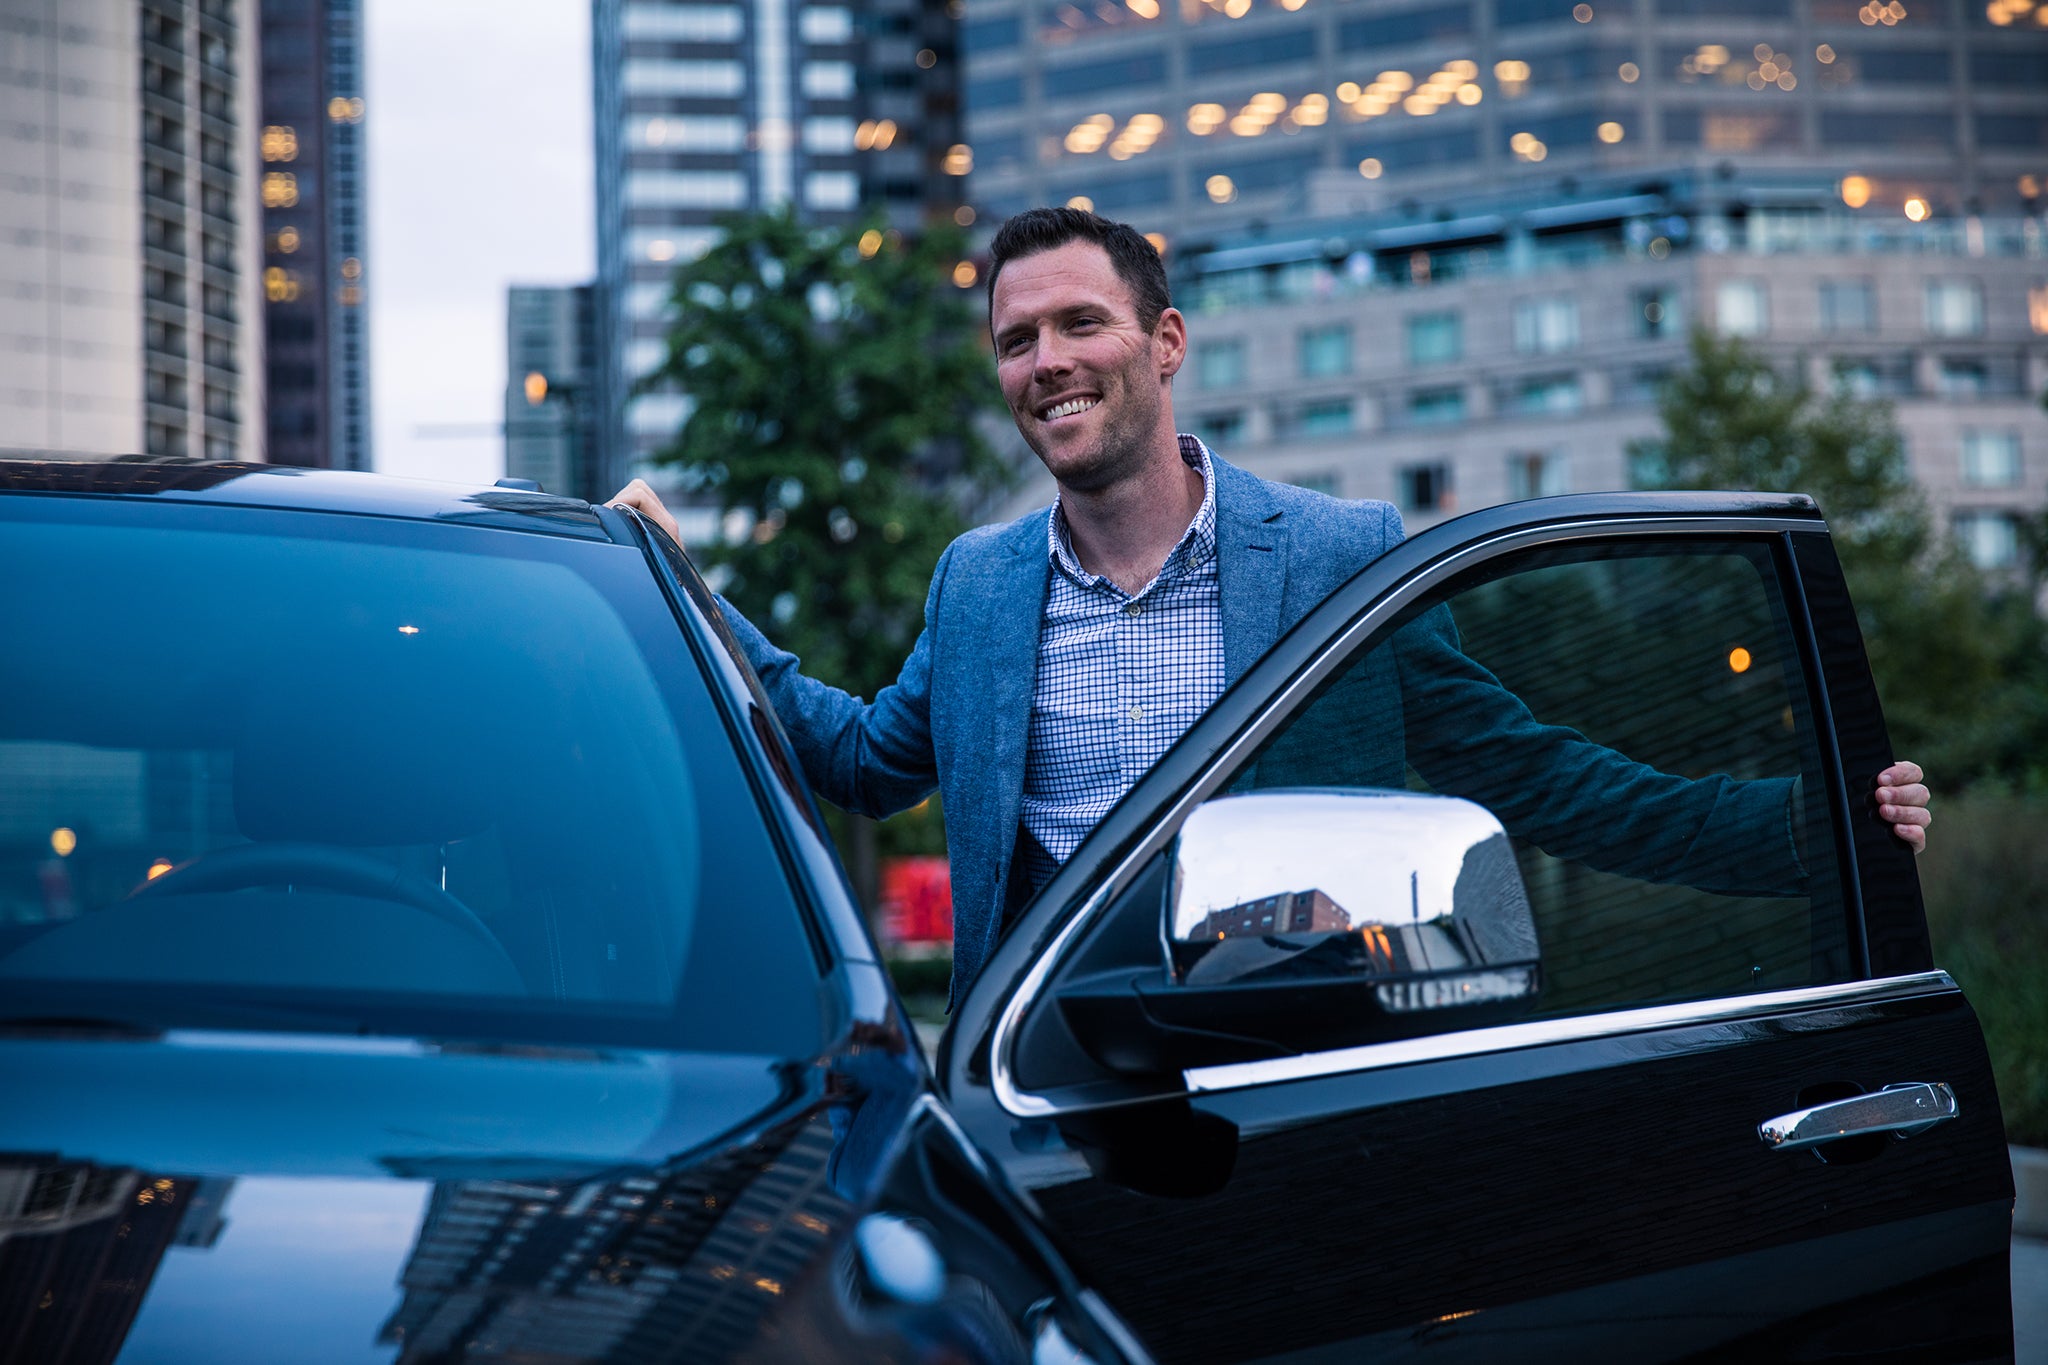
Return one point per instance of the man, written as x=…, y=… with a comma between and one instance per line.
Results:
x=1062, y=654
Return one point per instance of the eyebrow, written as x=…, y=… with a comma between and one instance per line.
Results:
x=1089, y=306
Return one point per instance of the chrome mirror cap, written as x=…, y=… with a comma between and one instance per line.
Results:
x=1421, y=892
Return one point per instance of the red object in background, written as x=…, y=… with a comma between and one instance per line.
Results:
x=917, y=900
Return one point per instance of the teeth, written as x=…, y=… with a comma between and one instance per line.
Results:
x=1069, y=408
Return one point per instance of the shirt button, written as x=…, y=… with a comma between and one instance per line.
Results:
x=1137, y=711
x=1134, y=608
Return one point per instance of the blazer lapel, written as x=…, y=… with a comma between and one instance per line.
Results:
x=1251, y=564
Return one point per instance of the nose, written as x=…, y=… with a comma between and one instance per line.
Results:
x=1049, y=358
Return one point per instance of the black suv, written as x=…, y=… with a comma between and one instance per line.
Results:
x=416, y=943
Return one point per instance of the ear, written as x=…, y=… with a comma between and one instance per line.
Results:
x=1170, y=341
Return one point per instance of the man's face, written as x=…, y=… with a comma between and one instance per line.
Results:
x=1086, y=383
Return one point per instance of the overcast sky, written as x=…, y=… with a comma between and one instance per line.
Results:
x=479, y=163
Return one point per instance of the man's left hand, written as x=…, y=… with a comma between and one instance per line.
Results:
x=1902, y=802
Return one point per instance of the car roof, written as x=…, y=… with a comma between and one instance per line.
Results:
x=233, y=483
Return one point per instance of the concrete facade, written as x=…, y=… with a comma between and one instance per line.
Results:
x=127, y=219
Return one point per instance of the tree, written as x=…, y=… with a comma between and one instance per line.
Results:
x=837, y=380
x=1961, y=659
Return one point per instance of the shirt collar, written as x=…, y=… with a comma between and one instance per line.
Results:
x=1196, y=547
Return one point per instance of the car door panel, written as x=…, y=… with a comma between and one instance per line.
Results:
x=1596, y=1184
x=1474, y=1184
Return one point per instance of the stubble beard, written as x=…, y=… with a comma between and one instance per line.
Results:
x=1118, y=452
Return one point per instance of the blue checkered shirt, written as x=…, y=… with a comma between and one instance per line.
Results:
x=1121, y=676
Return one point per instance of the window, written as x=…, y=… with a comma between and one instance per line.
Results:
x=1955, y=308
x=1219, y=364
x=682, y=23
x=1426, y=488
x=687, y=80
x=1432, y=407
x=686, y=189
x=981, y=36
x=1329, y=417
x=1546, y=326
x=828, y=136
x=1536, y=474
x=832, y=189
x=828, y=80
x=1991, y=459
x=1326, y=351
x=1695, y=860
x=825, y=25
x=1656, y=314
x=1220, y=428
x=1236, y=54
x=1990, y=539
x=1847, y=306
x=1742, y=308
x=1435, y=338
x=685, y=133
x=1117, y=73
x=1326, y=481
x=1874, y=376
x=1963, y=377
x=1546, y=393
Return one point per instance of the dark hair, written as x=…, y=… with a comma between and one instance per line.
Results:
x=1136, y=261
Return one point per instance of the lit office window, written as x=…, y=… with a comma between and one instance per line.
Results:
x=686, y=133
x=1536, y=474
x=683, y=23
x=1546, y=326
x=828, y=80
x=1991, y=459
x=829, y=136
x=686, y=189
x=1955, y=308
x=824, y=25
x=1848, y=306
x=1435, y=338
x=1219, y=364
x=832, y=189
x=1742, y=308
x=1326, y=352
x=670, y=245
x=1991, y=539
x=700, y=80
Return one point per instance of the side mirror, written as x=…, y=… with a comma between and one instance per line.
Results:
x=1298, y=921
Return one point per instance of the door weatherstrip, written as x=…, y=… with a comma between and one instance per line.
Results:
x=1511, y=1037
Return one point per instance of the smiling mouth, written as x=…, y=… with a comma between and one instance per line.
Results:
x=1067, y=409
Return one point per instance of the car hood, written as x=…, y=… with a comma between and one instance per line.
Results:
x=234, y=1197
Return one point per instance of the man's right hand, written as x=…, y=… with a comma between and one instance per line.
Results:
x=638, y=496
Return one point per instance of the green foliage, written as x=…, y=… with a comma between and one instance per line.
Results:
x=836, y=393
x=1961, y=660
x=1985, y=874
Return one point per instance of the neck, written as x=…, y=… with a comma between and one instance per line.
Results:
x=1125, y=530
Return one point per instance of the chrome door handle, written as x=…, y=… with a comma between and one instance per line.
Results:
x=1902, y=1110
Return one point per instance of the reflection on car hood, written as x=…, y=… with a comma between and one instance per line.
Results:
x=246, y=1198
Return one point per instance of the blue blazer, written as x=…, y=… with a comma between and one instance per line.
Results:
x=958, y=716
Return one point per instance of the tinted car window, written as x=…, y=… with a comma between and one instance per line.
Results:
x=1637, y=718
x=403, y=776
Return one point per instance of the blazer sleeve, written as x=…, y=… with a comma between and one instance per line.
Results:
x=869, y=758
x=1469, y=736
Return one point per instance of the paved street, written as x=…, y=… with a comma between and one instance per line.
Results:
x=2030, y=1300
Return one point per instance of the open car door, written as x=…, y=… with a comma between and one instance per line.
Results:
x=1513, y=965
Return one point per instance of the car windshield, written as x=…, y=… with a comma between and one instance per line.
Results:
x=285, y=769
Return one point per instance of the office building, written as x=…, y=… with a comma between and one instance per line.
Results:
x=1514, y=347
x=314, y=285
x=1206, y=114
x=552, y=399
x=706, y=107
x=128, y=226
